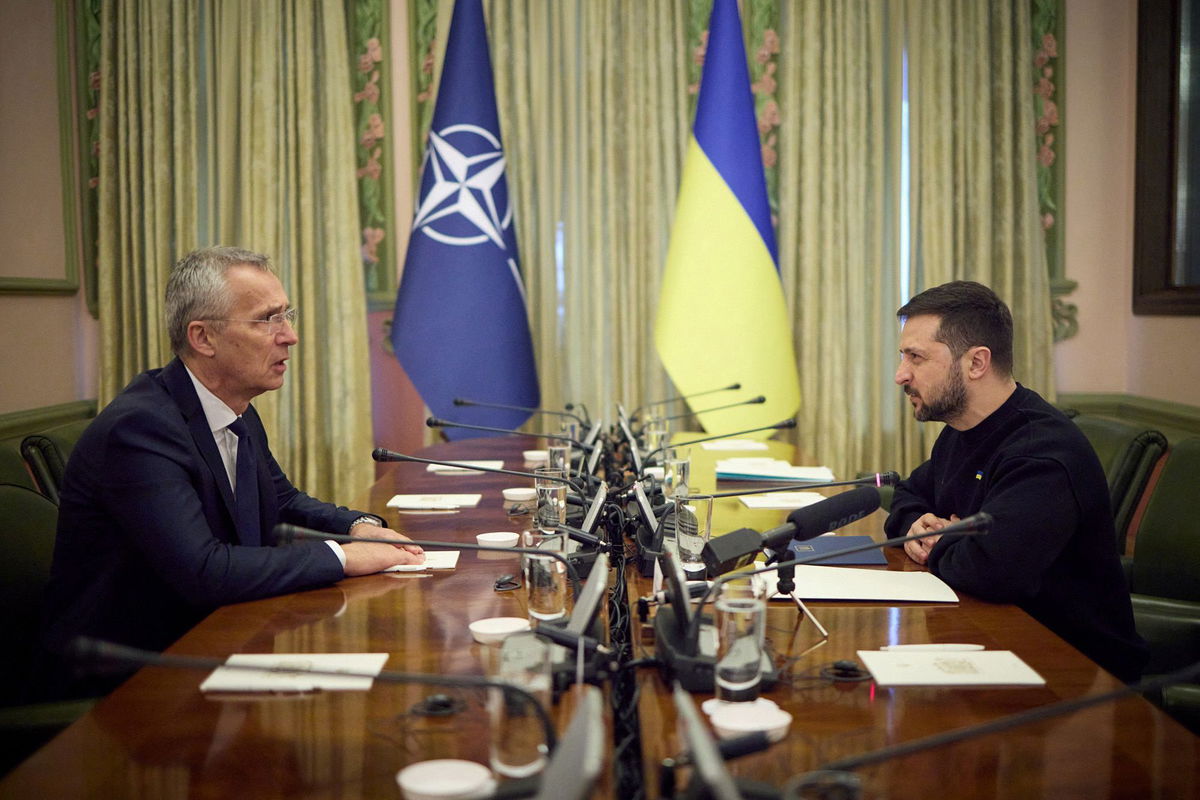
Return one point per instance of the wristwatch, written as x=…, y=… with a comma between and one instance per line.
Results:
x=369, y=520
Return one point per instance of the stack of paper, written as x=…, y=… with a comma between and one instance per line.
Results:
x=734, y=444
x=781, y=499
x=434, y=502
x=463, y=467
x=769, y=469
x=292, y=672
x=434, y=559
x=959, y=668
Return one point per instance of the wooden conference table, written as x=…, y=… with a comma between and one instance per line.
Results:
x=157, y=736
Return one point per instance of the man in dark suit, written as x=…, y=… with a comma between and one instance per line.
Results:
x=170, y=495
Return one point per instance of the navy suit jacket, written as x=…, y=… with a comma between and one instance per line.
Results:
x=147, y=544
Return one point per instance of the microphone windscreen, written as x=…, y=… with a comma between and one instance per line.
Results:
x=833, y=513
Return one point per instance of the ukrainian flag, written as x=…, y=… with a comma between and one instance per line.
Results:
x=721, y=314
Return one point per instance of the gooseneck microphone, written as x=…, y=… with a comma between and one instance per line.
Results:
x=383, y=456
x=88, y=650
x=462, y=401
x=722, y=554
x=733, y=387
x=285, y=533
x=879, y=479
x=753, y=401
x=434, y=422
x=787, y=423
x=974, y=525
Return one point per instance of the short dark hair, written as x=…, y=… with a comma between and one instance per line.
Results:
x=970, y=315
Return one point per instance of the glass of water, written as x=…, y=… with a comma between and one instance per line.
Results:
x=693, y=527
x=518, y=742
x=677, y=468
x=551, y=498
x=545, y=576
x=741, y=615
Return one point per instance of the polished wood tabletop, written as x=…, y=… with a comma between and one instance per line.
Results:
x=158, y=736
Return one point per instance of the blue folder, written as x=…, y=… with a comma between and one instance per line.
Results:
x=827, y=544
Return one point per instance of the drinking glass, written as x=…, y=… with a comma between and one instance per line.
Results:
x=693, y=527
x=517, y=746
x=741, y=613
x=545, y=576
x=677, y=467
x=551, y=498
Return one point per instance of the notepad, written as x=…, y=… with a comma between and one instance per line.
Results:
x=781, y=499
x=769, y=469
x=959, y=668
x=291, y=672
x=846, y=583
x=463, y=467
x=434, y=502
x=434, y=559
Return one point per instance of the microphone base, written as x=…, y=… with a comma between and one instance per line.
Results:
x=682, y=661
x=583, y=560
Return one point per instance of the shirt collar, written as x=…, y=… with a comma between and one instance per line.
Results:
x=216, y=412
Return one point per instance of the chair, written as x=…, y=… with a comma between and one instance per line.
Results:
x=46, y=453
x=1128, y=454
x=27, y=526
x=1165, y=577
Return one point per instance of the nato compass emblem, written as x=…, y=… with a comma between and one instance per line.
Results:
x=464, y=198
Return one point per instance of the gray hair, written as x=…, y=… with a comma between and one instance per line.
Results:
x=197, y=288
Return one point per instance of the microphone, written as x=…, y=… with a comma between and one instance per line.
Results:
x=383, y=456
x=285, y=533
x=974, y=525
x=730, y=388
x=580, y=535
x=434, y=422
x=462, y=401
x=879, y=479
x=753, y=401
x=88, y=650
x=733, y=550
x=787, y=423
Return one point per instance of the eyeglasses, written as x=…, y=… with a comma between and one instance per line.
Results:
x=274, y=322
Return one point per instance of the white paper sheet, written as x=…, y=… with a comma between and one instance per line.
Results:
x=847, y=583
x=782, y=499
x=434, y=502
x=734, y=444
x=434, y=559
x=287, y=672
x=963, y=668
x=463, y=467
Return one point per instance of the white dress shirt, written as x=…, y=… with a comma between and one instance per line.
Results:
x=219, y=417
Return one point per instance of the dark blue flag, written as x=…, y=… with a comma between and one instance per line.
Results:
x=460, y=327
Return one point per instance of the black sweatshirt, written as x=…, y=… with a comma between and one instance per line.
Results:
x=1051, y=548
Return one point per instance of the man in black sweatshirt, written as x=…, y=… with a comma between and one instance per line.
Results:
x=1008, y=452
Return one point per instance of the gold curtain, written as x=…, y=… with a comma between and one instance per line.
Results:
x=839, y=162
x=593, y=105
x=230, y=121
x=974, y=192
x=149, y=165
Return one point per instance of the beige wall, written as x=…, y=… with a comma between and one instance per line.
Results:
x=48, y=352
x=1114, y=351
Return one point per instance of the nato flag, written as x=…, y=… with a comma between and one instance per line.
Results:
x=460, y=327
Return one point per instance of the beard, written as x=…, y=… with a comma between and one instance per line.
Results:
x=945, y=406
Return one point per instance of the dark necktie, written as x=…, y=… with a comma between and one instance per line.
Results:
x=246, y=493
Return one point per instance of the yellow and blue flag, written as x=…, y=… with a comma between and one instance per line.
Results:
x=460, y=328
x=721, y=314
